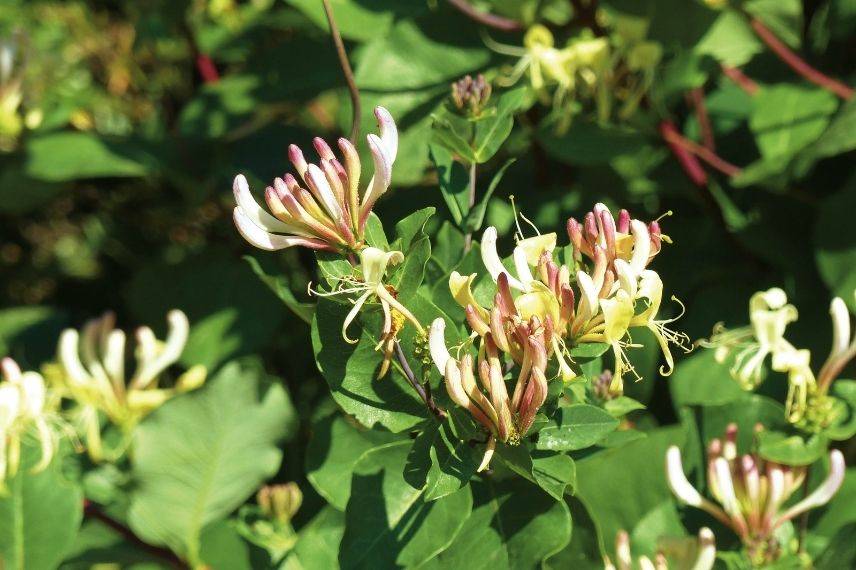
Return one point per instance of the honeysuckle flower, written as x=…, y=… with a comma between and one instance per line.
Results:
x=506, y=419
x=750, y=493
x=770, y=314
x=471, y=95
x=279, y=502
x=843, y=347
x=701, y=557
x=610, y=290
x=91, y=371
x=323, y=207
x=269, y=524
x=24, y=409
x=546, y=64
x=370, y=285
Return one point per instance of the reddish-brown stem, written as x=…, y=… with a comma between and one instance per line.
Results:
x=797, y=63
x=346, y=70
x=93, y=511
x=489, y=20
x=742, y=80
x=675, y=140
x=696, y=99
x=689, y=163
x=206, y=68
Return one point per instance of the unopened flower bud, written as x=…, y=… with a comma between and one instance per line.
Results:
x=280, y=502
x=471, y=95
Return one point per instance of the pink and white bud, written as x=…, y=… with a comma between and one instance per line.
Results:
x=678, y=482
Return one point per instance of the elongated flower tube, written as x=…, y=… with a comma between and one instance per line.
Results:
x=596, y=301
x=750, y=493
x=322, y=208
x=505, y=418
x=843, y=347
x=370, y=285
x=91, y=371
x=701, y=555
x=24, y=410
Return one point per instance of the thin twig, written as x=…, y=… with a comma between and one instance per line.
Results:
x=468, y=239
x=489, y=20
x=93, y=511
x=740, y=79
x=346, y=70
x=696, y=99
x=797, y=63
x=689, y=163
x=672, y=136
x=424, y=394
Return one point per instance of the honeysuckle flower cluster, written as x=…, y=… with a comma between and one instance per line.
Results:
x=546, y=309
x=748, y=349
x=750, y=493
x=369, y=284
x=587, y=68
x=471, y=95
x=322, y=208
x=91, y=371
x=702, y=557
x=24, y=411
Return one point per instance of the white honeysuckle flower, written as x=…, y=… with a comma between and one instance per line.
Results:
x=752, y=491
x=650, y=287
x=23, y=411
x=322, y=208
x=437, y=345
x=91, y=371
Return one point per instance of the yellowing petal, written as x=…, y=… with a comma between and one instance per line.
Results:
x=533, y=247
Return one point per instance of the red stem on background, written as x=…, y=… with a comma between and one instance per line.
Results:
x=342, y=54
x=696, y=98
x=489, y=20
x=206, y=68
x=93, y=511
x=740, y=79
x=798, y=64
x=689, y=163
x=682, y=146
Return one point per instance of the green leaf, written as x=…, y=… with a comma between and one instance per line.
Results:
x=277, y=283
x=845, y=426
x=454, y=182
x=335, y=447
x=388, y=522
x=791, y=449
x=492, y=130
x=841, y=552
x=783, y=17
x=588, y=351
x=40, y=514
x=351, y=370
x=358, y=20
x=839, y=137
x=730, y=40
x=374, y=233
x=622, y=406
x=513, y=525
x=576, y=427
x=421, y=52
x=588, y=143
x=29, y=334
x=63, y=156
x=231, y=312
x=701, y=381
x=786, y=118
x=554, y=472
x=475, y=218
x=836, y=250
x=620, y=486
x=439, y=461
x=318, y=542
x=229, y=429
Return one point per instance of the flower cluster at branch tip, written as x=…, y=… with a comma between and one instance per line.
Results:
x=546, y=309
x=702, y=555
x=751, y=492
x=322, y=209
x=471, y=95
x=600, y=69
x=279, y=502
x=369, y=283
x=748, y=349
x=91, y=371
x=24, y=410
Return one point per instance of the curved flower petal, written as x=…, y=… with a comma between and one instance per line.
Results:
x=491, y=260
x=263, y=239
x=437, y=345
x=252, y=210
x=388, y=132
